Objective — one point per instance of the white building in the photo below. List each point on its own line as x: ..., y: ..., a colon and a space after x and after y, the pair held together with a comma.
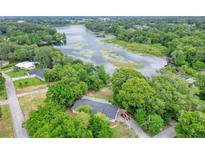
x: 25, y: 65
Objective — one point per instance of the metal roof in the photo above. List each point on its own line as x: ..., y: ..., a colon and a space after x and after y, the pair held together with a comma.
x: 98, y: 107
x: 38, y: 73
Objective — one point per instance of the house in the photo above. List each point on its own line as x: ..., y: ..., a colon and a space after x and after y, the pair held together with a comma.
x: 3, y: 63
x: 38, y: 73
x: 25, y: 65
x: 98, y: 106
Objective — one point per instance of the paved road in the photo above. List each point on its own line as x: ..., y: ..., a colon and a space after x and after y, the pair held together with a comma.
x: 16, y: 113
x: 166, y: 133
x: 169, y: 132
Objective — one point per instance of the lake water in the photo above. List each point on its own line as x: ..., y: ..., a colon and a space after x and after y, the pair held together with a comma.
x: 85, y: 45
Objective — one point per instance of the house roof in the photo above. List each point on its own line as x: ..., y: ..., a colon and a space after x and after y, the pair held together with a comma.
x: 38, y: 73
x: 26, y: 64
x: 98, y: 107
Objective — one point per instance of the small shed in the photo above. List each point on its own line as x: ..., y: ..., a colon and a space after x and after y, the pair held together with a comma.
x: 98, y: 106
x: 38, y: 73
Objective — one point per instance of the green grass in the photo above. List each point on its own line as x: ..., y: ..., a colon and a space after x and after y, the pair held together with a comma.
x: 3, y: 94
x: 122, y: 131
x: 24, y: 83
x: 156, y: 50
x: 31, y: 102
x: 17, y: 73
x: 5, y: 68
x: 6, y: 129
x: 104, y: 93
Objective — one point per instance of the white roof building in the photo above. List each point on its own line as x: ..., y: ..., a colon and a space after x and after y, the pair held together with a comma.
x: 26, y: 65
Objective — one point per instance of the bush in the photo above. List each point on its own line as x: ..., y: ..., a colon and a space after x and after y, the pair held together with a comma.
x: 85, y: 108
x: 152, y: 123
x: 140, y: 117
x: 191, y: 124
x: 155, y: 124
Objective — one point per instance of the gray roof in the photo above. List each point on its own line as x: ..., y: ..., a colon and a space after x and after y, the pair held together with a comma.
x: 106, y: 108
x: 38, y: 73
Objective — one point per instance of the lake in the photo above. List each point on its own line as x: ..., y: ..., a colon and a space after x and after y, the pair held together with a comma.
x: 85, y: 45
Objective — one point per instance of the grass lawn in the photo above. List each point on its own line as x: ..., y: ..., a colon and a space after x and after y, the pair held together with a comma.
x: 17, y: 73
x: 104, y: 93
x: 31, y: 102
x: 20, y: 85
x: 150, y: 49
x: 122, y: 131
x: 6, y: 129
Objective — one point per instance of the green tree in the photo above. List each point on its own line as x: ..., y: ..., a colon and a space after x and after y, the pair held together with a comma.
x: 172, y: 94
x: 66, y: 92
x: 200, y: 82
x: 134, y: 94
x: 179, y: 58
x: 191, y: 125
x: 100, y: 126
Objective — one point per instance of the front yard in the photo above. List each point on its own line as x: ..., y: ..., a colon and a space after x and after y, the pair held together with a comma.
x: 17, y: 73
x: 122, y: 131
x: 24, y: 85
x: 6, y: 129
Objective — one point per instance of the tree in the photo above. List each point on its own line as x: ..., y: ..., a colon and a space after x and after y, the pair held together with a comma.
x: 51, y: 122
x: 102, y: 74
x: 100, y: 126
x: 52, y: 75
x: 179, y: 58
x: 94, y: 82
x: 200, y: 82
x: 134, y: 94
x: 120, y: 77
x: 154, y: 124
x: 66, y: 92
x: 151, y: 122
x: 191, y: 125
x: 172, y: 94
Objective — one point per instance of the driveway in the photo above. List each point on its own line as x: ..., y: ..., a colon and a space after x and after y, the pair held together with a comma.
x: 132, y: 124
x: 16, y: 113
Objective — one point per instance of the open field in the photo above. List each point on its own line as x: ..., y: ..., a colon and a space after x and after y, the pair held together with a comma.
x: 6, y: 130
x: 17, y: 73
x: 156, y: 50
x: 31, y: 102
x: 26, y: 85
x: 122, y: 131
x: 104, y: 93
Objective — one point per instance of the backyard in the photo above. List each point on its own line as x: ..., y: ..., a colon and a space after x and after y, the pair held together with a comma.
x: 104, y: 93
